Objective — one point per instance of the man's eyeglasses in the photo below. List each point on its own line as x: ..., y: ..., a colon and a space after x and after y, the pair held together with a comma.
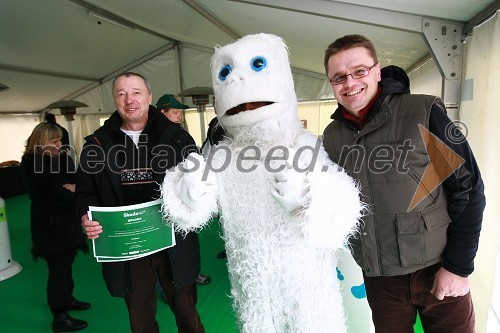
x: 355, y: 74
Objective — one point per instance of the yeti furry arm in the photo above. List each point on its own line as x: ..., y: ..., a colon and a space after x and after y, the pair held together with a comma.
x: 189, y: 196
x: 333, y: 206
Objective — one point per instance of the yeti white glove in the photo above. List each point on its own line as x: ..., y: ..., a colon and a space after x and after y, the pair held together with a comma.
x: 197, y: 189
x: 290, y: 186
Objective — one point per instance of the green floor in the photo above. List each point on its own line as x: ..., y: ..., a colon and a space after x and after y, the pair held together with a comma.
x: 23, y: 306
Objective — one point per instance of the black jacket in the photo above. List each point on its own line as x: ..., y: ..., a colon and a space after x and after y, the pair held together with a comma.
x: 98, y: 184
x: 55, y: 228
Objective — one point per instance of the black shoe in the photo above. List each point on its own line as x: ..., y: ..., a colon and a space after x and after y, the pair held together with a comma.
x: 63, y: 322
x: 75, y: 305
x: 221, y: 255
x: 203, y: 279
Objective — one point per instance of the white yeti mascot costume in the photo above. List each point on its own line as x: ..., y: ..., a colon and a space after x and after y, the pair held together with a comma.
x: 285, y: 207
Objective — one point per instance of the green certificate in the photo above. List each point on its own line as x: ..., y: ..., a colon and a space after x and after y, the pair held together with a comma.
x: 130, y: 232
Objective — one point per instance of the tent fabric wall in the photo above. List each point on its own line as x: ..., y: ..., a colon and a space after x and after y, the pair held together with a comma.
x: 426, y: 79
x: 14, y: 131
x: 478, y: 116
x: 163, y: 75
x: 82, y: 126
x: 192, y: 121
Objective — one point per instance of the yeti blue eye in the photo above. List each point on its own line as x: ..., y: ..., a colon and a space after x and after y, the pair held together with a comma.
x: 258, y: 63
x: 224, y: 72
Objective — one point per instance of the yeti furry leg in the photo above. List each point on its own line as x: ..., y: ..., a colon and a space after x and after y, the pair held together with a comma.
x: 311, y: 291
x: 251, y: 301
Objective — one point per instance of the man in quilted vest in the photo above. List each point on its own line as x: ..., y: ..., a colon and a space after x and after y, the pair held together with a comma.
x: 417, y: 172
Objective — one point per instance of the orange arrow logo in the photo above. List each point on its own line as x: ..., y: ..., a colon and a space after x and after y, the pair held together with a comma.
x: 443, y: 161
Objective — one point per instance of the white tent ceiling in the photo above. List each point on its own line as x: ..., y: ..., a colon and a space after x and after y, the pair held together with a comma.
x: 58, y: 49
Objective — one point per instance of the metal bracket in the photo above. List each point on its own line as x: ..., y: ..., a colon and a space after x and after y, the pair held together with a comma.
x: 445, y: 44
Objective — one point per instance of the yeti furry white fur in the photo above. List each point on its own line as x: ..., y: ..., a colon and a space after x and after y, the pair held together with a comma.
x: 282, y: 265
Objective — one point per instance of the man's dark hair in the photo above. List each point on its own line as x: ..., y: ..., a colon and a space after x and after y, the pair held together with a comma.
x: 348, y: 42
x: 50, y: 118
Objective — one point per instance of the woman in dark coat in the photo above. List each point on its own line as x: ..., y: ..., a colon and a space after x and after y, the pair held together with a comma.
x: 48, y: 175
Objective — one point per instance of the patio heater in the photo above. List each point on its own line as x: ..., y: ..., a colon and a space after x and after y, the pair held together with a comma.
x: 68, y: 110
x: 8, y: 266
x: 3, y: 87
x: 201, y: 97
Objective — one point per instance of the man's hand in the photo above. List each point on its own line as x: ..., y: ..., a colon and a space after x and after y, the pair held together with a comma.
x: 92, y: 228
x: 449, y: 284
x: 70, y: 187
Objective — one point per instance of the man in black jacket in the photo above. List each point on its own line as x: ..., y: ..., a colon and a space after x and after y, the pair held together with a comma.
x: 50, y: 118
x: 417, y: 246
x: 122, y: 163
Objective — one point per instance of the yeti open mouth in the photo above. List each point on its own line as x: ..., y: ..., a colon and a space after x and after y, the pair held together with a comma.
x: 246, y: 107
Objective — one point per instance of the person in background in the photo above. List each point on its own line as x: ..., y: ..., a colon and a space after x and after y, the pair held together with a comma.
x: 171, y: 108
x: 55, y: 230
x: 50, y: 118
x: 416, y: 256
x: 215, y: 134
x: 149, y: 145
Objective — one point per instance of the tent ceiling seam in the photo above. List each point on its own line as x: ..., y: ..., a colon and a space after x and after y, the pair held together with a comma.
x: 483, y: 16
x: 211, y: 17
x: 46, y: 73
x: 112, y: 75
x: 121, y: 20
x: 360, y: 14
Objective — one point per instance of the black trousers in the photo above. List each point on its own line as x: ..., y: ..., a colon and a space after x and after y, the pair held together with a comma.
x: 395, y: 301
x: 60, y: 282
x: 141, y: 301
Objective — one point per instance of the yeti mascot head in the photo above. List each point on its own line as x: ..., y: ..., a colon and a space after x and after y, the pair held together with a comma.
x: 254, y: 93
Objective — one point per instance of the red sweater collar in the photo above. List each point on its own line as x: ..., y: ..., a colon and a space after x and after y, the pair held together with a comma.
x: 363, y: 113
